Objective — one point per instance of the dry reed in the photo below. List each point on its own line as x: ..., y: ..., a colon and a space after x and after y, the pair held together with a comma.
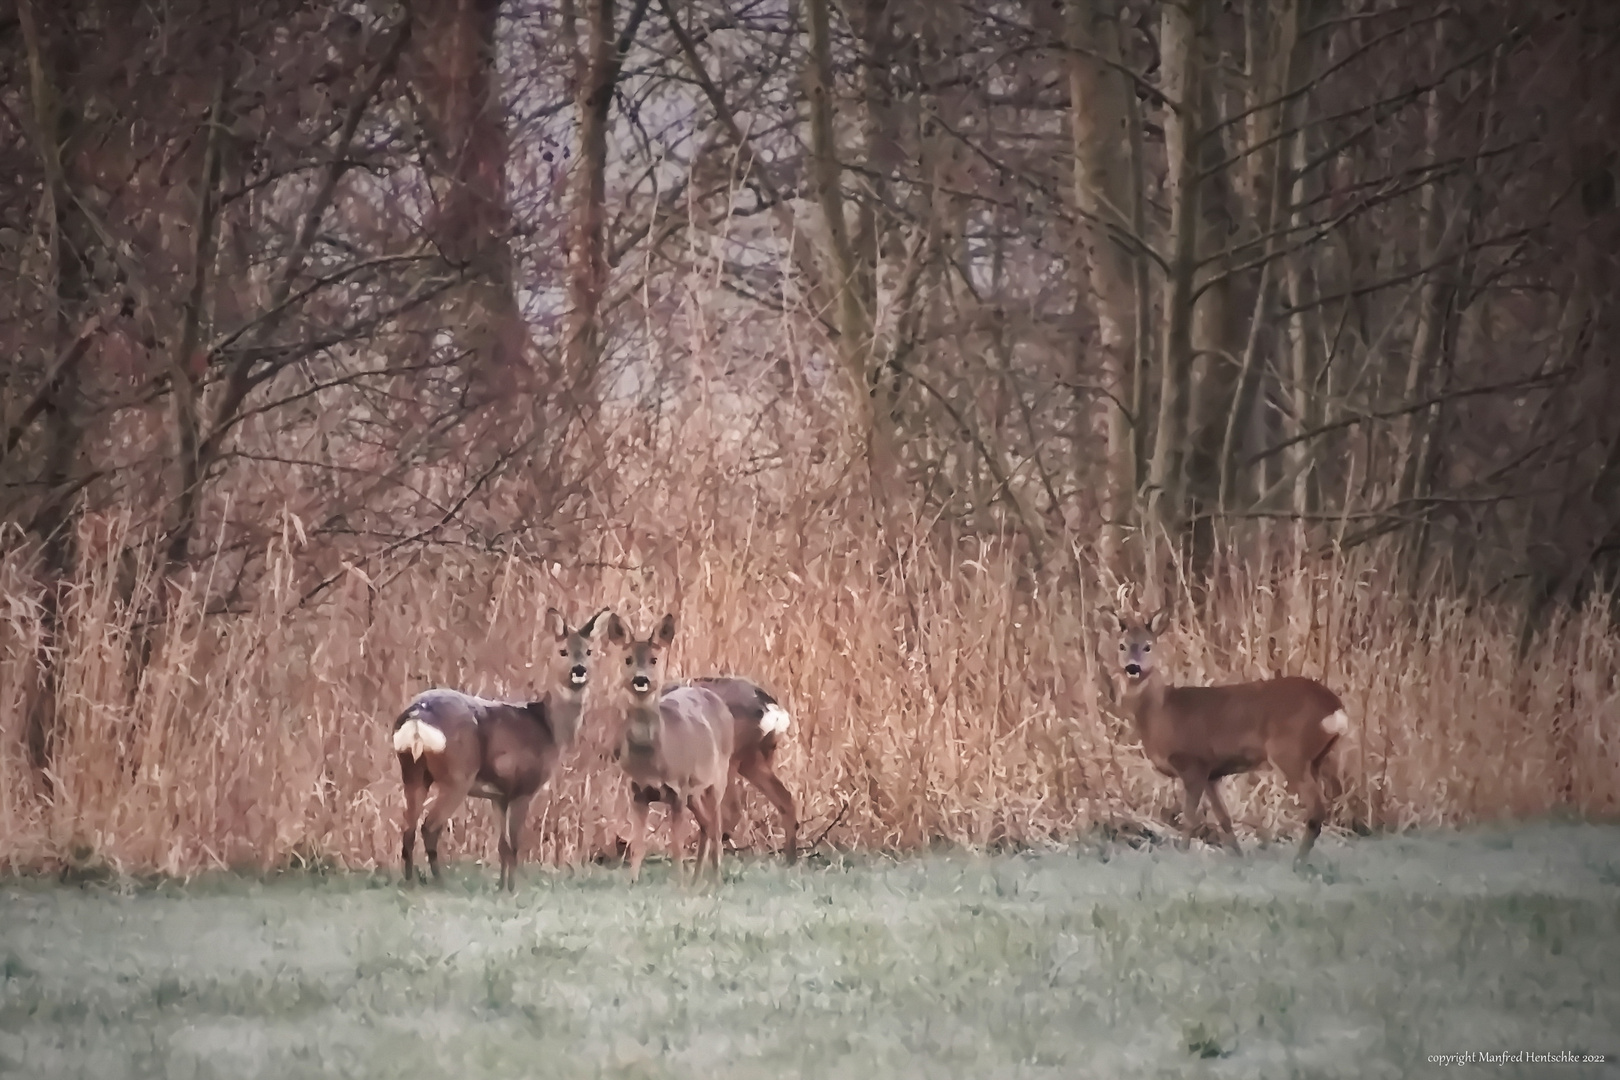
x: 935, y: 696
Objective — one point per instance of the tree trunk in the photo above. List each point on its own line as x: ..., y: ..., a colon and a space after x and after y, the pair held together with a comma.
x: 1104, y: 180
x: 455, y: 62
x: 596, y: 76
x: 188, y: 366
x: 852, y: 306
x: 1182, y: 85
x: 68, y: 241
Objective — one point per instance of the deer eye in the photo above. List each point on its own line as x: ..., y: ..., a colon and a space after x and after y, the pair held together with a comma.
x: 627, y: 661
x: 562, y: 652
x: 590, y: 652
x: 1147, y: 648
x: 1122, y: 646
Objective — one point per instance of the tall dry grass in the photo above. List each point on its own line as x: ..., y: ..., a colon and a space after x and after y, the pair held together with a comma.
x: 935, y: 696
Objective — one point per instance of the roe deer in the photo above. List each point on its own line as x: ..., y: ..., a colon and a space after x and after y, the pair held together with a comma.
x: 497, y: 750
x: 675, y: 748
x: 1199, y: 734
x: 758, y: 724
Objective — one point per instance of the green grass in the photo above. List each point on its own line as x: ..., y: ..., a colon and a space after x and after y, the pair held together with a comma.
x: 1083, y: 963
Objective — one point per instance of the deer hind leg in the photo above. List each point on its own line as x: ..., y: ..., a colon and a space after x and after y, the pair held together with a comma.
x: 416, y: 781
x: 513, y: 816
x: 1309, y: 789
x: 446, y: 798
x: 1304, y: 776
x: 760, y: 772
x: 1213, y: 794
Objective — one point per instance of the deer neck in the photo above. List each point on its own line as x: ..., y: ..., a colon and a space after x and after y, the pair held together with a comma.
x: 1144, y: 697
x: 641, y: 725
x: 564, y: 707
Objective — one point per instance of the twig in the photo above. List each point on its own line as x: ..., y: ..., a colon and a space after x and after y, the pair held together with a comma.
x: 831, y: 825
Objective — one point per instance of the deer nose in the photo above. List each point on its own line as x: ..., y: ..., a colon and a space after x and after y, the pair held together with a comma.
x: 641, y: 684
x: 578, y: 673
x: 1133, y: 669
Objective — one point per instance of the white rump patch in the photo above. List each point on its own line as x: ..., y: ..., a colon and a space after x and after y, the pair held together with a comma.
x: 775, y: 719
x: 416, y: 737
x: 1336, y: 723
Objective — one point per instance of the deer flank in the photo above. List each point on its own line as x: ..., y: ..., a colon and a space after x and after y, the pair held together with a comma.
x: 758, y: 724
x: 1199, y: 734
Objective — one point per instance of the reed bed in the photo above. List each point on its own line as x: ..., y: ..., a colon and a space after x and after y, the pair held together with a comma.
x: 939, y: 693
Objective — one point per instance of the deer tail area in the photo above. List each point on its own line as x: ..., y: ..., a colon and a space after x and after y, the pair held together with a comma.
x: 1336, y: 722
x: 417, y: 735
x: 776, y: 719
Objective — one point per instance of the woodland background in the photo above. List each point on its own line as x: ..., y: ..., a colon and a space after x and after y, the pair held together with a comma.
x: 882, y: 340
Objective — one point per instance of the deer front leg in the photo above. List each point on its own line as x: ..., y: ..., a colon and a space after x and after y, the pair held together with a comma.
x: 677, y: 832
x: 638, y: 831
x: 514, y: 816
x: 1194, y: 785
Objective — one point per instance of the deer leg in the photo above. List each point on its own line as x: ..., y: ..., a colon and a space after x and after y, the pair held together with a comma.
x: 761, y: 774
x: 716, y: 851
x: 1213, y: 794
x: 515, y: 815
x: 639, y: 804
x: 1310, y: 793
x: 731, y: 806
x: 707, y: 807
x: 503, y: 842
x: 416, y: 782
x: 677, y: 832
x: 708, y: 828
x: 1193, y: 784
x: 445, y: 801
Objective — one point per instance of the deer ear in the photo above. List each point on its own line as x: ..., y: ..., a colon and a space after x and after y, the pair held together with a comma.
x: 556, y: 623
x: 585, y: 631
x: 666, y: 631
x: 615, y: 630
x: 1158, y: 622
x: 1113, y: 618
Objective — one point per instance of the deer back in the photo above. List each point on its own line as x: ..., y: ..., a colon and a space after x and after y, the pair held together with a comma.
x: 1233, y: 727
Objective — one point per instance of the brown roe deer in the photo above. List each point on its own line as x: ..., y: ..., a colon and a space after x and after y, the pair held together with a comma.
x: 1198, y: 734
x: 758, y: 724
x: 675, y: 748
x: 502, y: 751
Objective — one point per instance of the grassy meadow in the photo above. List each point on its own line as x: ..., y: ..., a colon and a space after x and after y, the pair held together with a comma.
x: 1096, y: 960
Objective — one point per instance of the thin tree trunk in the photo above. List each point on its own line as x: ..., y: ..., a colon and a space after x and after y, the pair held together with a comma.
x: 1432, y: 239
x: 597, y: 68
x: 1103, y: 180
x: 454, y: 56
x: 68, y: 237
x: 1267, y: 169
x: 188, y: 369
x: 852, y: 315
x: 1182, y: 85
